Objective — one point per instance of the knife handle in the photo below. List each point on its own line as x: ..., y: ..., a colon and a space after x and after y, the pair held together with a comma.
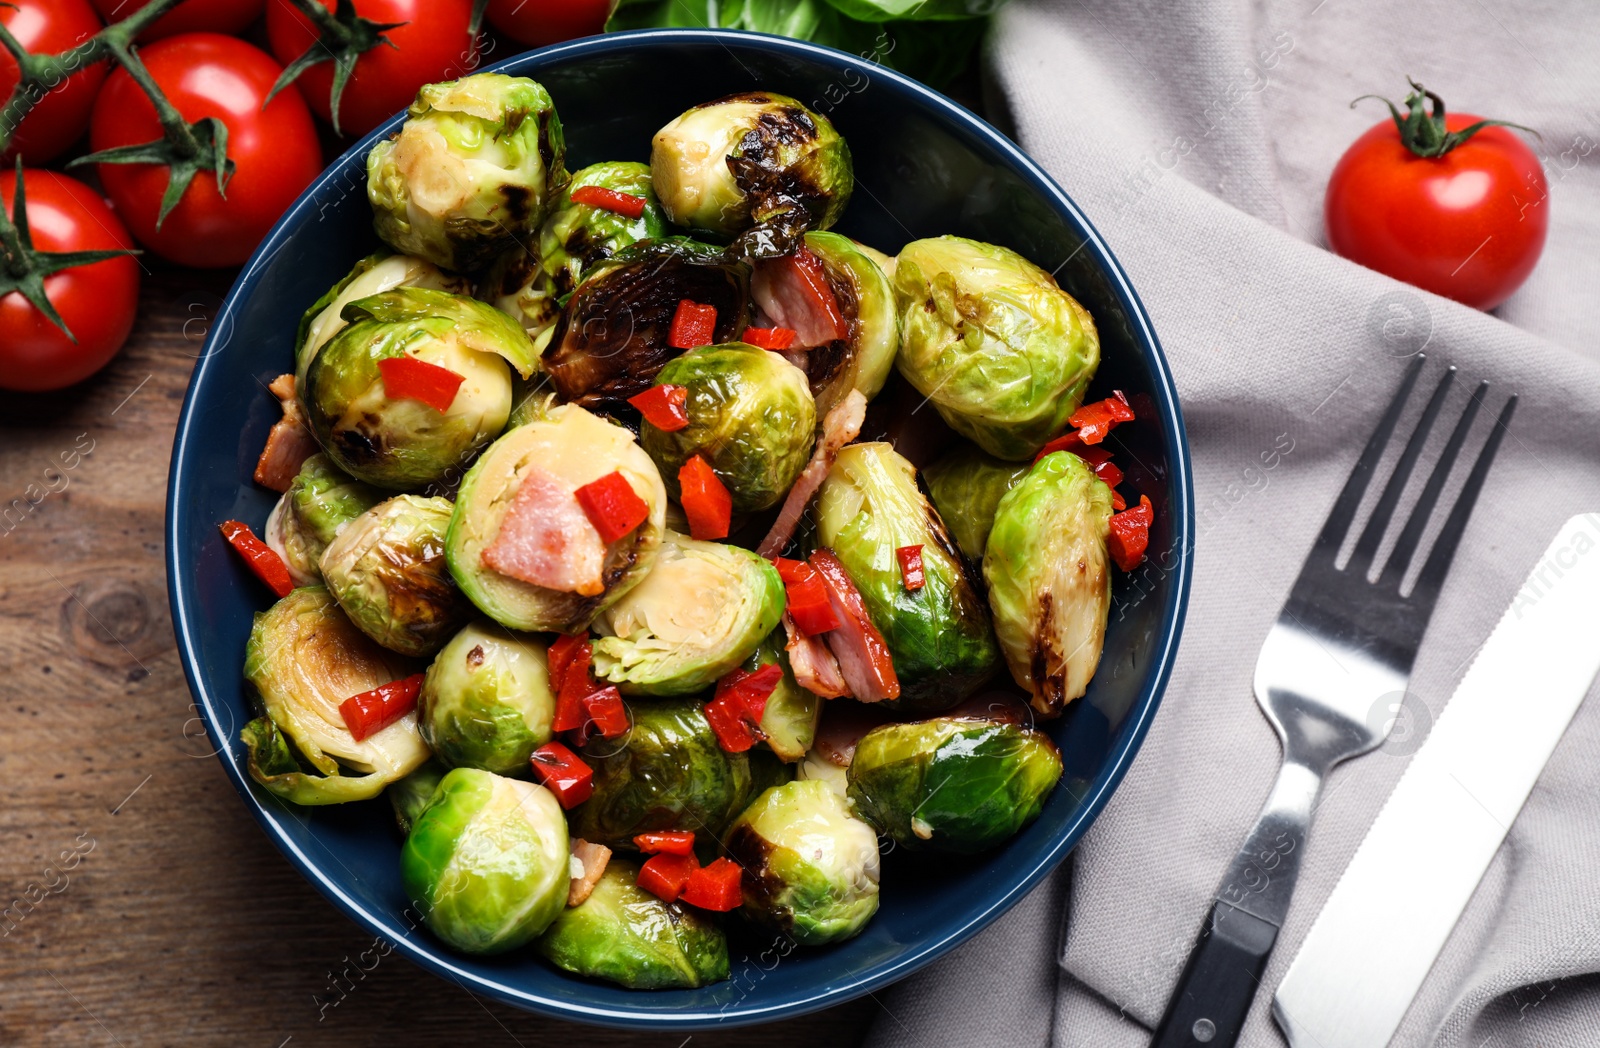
x: 1219, y: 981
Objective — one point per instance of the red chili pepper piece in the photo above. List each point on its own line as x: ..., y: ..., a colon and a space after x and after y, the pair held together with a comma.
x: 563, y: 773
x: 729, y: 721
x: 572, y: 687
x: 610, y: 200
x: 692, y: 325
x: 665, y: 875
x: 607, y: 711
x: 911, y: 572
x: 793, y: 570
x: 769, y: 338
x: 706, y: 502
x: 1130, y: 534
x: 809, y: 605
x: 751, y: 688
x: 261, y: 558
x: 372, y: 711
x: 407, y: 378
x: 1095, y: 420
x: 666, y: 842
x: 717, y: 887
x: 663, y: 406
x: 612, y: 506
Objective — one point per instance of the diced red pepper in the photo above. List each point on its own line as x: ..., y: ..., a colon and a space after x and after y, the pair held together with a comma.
x: 663, y: 406
x: 729, y: 720
x: 607, y: 712
x: 692, y: 325
x: 610, y: 200
x: 560, y: 656
x: 666, y: 842
x: 563, y: 773
x: 1095, y: 420
x: 751, y: 688
x: 665, y: 875
x: 718, y: 887
x: 372, y: 711
x: 1108, y: 472
x: 612, y: 506
x: 407, y: 378
x: 261, y: 558
x: 792, y: 570
x: 706, y: 502
x: 1118, y: 503
x: 769, y: 338
x: 1068, y: 441
x: 1130, y: 534
x: 572, y: 686
x: 809, y: 605
x: 911, y: 572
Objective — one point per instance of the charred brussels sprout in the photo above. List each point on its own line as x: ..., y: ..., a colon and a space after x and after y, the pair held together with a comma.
x: 474, y: 168
x: 699, y: 613
x: 487, y: 861
x: 611, y: 339
x: 953, y: 784
x: 321, y: 500
x: 939, y: 635
x: 576, y: 236
x: 751, y: 417
x: 486, y: 702
x: 811, y: 868
x: 413, y: 793
x: 520, y: 288
x: 304, y: 658
x: 790, y: 719
x: 1050, y: 580
x: 966, y: 486
x: 401, y: 443
x: 522, y: 487
x: 623, y: 934
x: 1003, y: 353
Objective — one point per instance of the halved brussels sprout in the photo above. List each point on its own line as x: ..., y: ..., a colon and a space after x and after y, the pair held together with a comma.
x: 563, y: 451
x: 612, y: 336
x: 966, y: 486
x: 816, y: 767
x: 487, y: 861
x: 576, y: 236
x: 954, y: 784
x: 751, y: 417
x: 414, y: 793
x: 404, y: 443
x: 702, y: 610
x: 940, y: 637
x: 387, y: 570
x: 790, y: 719
x: 1050, y: 580
x: 520, y: 288
x: 993, y: 342
x: 486, y: 702
x: 886, y: 262
x: 304, y: 658
x: 321, y: 501
x: 810, y: 867
x: 624, y: 934
x: 473, y: 169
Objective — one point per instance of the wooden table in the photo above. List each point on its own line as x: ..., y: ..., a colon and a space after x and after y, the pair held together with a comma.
x: 144, y: 907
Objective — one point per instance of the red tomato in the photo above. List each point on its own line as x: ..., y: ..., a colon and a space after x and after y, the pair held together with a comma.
x: 59, y: 118
x: 541, y: 22
x: 432, y: 45
x: 275, y: 149
x: 98, y: 301
x: 1468, y: 225
x: 191, y: 16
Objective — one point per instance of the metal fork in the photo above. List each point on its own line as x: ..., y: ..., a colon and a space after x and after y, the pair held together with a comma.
x: 1334, y: 665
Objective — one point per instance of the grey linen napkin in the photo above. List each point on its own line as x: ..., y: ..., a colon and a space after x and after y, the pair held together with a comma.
x: 1198, y: 139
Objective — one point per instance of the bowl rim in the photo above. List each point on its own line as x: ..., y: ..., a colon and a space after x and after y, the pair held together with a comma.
x: 188, y: 624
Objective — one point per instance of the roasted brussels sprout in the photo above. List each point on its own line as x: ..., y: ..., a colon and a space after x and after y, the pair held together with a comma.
x: 1002, y: 352
x: 387, y: 570
x: 1050, y: 580
x: 413, y: 793
x: 751, y: 417
x: 527, y: 479
x: 966, y: 486
x: 486, y: 702
x: 954, y: 784
x: 702, y: 610
x: 520, y: 288
x: 321, y: 500
x: 758, y: 164
x: 474, y: 168
x: 404, y: 443
x: 612, y: 336
x: 885, y: 262
x: 790, y: 719
x: 811, y: 868
x: 487, y: 861
x: 576, y: 236
x: 624, y: 934
x: 943, y: 646
x: 304, y: 658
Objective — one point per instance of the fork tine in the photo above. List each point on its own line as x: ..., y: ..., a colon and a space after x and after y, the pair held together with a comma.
x: 1400, y: 558
x: 1431, y: 580
x: 1344, y: 509
x: 1383, y: 512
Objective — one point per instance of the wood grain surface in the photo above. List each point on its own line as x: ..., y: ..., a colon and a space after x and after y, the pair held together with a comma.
x: 142, y: 904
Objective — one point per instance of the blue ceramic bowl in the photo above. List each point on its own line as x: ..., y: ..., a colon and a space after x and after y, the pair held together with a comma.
x: 924, y: 166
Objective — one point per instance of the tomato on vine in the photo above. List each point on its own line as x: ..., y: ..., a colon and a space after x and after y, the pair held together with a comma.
x: 61, y: 115
x: 191, y: 16
x: 541, y: 22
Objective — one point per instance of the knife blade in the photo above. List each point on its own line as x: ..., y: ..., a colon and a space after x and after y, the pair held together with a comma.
x: 1379, y: 933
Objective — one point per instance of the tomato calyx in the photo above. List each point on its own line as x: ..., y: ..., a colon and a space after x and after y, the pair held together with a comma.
x: 345, y: 37
x: 1423, y: 132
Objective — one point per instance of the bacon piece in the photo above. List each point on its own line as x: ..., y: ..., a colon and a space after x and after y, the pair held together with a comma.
x: 289, y: 442
x: 863, y: 656
x: 546, y: 539
x: 793, y: 291
x: 842, y: 725
x: 815, y: 668
x: 840, y: 426
x: 594, y: 858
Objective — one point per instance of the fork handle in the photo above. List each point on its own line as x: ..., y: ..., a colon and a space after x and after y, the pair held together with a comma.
x: 1219, y: 982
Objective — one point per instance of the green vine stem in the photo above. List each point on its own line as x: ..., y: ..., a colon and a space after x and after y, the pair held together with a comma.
x: 1424, y: 132
x: 344, y: 37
